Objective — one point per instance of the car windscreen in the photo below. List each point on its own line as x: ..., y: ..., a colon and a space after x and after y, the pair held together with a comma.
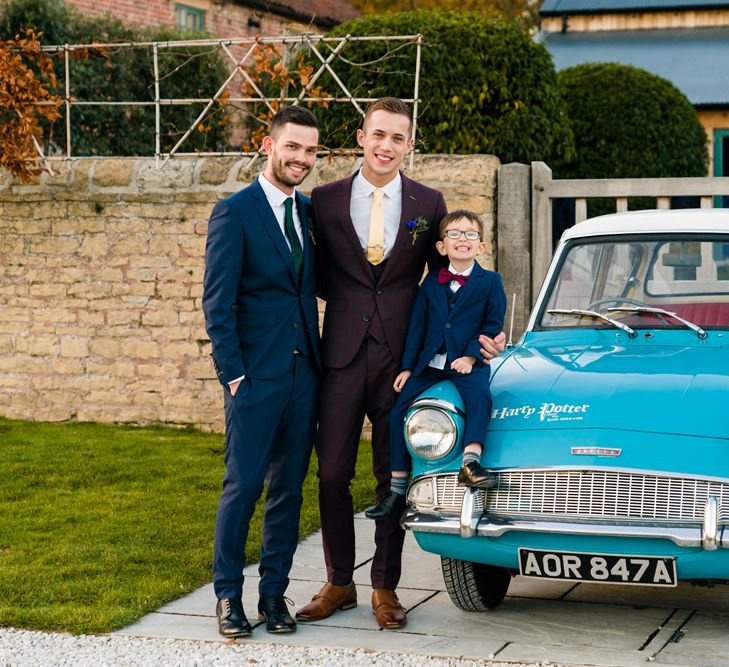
x: 618, y: 277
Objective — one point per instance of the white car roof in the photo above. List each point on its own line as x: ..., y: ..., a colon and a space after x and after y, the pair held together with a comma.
x: 645, y: 222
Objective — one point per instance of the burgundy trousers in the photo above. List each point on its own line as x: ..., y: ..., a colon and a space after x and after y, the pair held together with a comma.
x: 364, y: 387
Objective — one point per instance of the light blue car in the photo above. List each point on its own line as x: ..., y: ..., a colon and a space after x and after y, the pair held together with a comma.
x: 610, y: 424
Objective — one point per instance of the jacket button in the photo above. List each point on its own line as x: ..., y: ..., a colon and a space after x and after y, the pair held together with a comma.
x: 366, y: 318
x: 379, y: 291
x: 295, y: 325
x: 448, y: 325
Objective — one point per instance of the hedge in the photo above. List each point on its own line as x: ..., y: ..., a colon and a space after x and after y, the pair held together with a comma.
x: 485, y: 85
x: 629, y: 123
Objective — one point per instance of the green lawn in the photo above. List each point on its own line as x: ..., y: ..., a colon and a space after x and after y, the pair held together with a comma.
x: 101, y: 524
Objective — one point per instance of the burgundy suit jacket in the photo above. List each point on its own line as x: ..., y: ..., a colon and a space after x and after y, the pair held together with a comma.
x: 345, y: 278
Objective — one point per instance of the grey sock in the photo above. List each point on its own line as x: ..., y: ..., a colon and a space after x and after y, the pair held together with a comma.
x: 471, y: 457
x: 399, y: 485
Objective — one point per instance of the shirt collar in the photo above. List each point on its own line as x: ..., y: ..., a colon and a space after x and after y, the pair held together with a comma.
x: 467, y: 272
x: 273, y: 194
x: 363, y: 188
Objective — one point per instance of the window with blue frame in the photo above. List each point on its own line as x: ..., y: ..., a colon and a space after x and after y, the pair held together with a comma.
x: 190, y: 18
x: 721, y: 162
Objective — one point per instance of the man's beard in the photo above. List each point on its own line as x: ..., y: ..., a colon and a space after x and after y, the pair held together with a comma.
x: 279, y: 171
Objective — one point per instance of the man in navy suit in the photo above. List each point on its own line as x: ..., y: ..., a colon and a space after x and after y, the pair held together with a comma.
x: 261, y: 316
x: 453, y: 308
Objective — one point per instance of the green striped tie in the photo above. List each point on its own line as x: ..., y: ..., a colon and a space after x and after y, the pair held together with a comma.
x: 291, y: 234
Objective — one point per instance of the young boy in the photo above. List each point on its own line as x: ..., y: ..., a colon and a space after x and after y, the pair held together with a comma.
x: 453, y: 307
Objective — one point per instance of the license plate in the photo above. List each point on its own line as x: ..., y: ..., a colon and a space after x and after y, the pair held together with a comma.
x: 601, y: 568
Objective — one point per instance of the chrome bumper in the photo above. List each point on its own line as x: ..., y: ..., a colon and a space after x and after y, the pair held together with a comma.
x: 709, y: 536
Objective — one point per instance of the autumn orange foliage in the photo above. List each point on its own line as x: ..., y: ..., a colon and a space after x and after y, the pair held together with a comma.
x: 26, y: 79
x: 271, y: 73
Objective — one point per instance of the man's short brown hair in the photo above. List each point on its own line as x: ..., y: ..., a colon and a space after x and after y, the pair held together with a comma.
x: 448, y: 218
x: 391, y: 104
x: 296, y: 115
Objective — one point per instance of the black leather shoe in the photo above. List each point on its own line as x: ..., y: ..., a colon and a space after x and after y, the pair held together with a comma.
x: 393, y: 504
x: 232, y: 621
x: 273, y: 610
x: 472, y: 474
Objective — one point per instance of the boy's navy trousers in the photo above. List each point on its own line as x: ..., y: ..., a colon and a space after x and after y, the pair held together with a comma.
x: 475, y: 392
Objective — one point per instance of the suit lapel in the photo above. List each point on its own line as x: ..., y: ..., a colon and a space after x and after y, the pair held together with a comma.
x: 344, y: 200
x: 471, y: 287
x: 407, y: 212
x: 305, y: 233
x: 439, y: 297
x: 270, y: 224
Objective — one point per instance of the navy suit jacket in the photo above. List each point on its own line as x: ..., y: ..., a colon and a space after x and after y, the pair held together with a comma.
x: 479, y: 309
x: 257, y: 310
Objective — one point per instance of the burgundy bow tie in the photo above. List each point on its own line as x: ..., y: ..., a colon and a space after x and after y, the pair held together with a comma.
x: 445, y: 276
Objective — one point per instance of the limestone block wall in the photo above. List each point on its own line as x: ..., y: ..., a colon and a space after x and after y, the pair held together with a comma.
x: 101, y: 268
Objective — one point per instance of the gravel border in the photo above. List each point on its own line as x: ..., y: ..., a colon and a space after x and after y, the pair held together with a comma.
x: 26, y: 648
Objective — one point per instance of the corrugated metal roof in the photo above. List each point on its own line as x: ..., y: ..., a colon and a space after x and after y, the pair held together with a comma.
x: 694, y: 60
x: 550, y: 7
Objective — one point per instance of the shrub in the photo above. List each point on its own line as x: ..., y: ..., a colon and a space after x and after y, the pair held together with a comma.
x: 26, y: 74
x: 121, y: 75
x: 485, y: 86
x: 629, y: 123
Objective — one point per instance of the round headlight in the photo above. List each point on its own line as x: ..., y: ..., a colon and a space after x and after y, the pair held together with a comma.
x: 430, y: 432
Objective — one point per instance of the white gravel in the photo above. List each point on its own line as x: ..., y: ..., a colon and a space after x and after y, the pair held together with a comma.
x: 24, y: 648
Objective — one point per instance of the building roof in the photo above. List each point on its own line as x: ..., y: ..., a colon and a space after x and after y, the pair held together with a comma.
x: 559, y: 7
x: 696, y: 220
x: 689, y: 58
x: 324, y: 13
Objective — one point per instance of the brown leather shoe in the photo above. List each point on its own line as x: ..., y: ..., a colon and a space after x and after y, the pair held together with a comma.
x: 472, y: 474
x: 388, y: 611
x: 327, y: 601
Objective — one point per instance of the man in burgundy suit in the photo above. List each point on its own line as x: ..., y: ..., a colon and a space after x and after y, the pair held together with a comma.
x: 375, y: 232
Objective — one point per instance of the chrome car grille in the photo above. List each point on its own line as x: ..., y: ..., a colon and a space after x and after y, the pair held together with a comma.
x: 590, y: 494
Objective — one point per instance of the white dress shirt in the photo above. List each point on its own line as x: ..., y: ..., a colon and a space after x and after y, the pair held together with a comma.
x: 276, y: 199
x: 439, y: 360
x: 360, y: 207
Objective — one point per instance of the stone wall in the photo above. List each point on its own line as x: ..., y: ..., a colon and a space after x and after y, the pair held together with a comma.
x: 101, y: 270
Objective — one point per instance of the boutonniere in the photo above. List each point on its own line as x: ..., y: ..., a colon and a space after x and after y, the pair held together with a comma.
x: 310, y: 228
x: 417, y: 226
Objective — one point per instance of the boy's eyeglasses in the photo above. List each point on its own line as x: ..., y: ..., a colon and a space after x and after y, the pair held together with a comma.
x: 455, y: 234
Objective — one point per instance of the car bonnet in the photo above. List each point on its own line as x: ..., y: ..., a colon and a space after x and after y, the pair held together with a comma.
x: 609, y: 381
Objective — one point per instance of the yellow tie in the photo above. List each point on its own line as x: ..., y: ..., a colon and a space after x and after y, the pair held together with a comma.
x: 376, y: 245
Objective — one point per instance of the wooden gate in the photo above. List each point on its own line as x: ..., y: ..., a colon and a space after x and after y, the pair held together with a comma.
x: 524, y: 218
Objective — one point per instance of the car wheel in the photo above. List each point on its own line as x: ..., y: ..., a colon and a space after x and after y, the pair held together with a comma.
x: 474, y: 586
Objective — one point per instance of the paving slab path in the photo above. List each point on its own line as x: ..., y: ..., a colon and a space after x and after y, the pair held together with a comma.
x: 556, y: 622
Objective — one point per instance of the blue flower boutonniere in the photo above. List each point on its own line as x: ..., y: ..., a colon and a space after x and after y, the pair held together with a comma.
x: 417, y: 226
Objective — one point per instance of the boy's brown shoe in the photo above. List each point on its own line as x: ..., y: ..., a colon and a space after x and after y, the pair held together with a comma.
x: 472, y: 474
x: 388, y: 611
x: 327, y: 601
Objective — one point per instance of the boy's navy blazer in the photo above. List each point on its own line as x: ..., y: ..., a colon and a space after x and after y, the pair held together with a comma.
x: 257, y: 310
x: 479, y: 309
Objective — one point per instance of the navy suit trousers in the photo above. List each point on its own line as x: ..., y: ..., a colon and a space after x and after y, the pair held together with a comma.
x: 475, y: 392
x: 269, y: 430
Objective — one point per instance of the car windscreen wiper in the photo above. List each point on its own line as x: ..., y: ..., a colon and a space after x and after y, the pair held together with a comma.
x: 593, y: 313
x: 660, y: 311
